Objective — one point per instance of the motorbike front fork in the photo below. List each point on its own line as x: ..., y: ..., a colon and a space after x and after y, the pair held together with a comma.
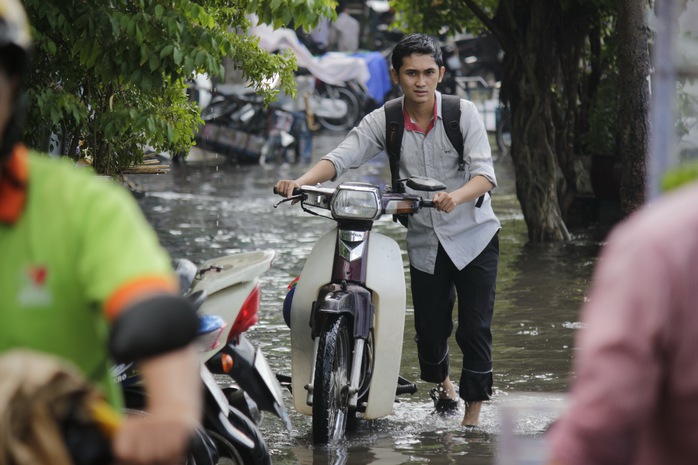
x: 354, y: 378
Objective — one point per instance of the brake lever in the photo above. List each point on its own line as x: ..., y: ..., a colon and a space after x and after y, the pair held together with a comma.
x: 290, y: 199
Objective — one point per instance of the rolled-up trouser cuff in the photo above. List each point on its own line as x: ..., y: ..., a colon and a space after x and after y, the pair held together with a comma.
x: 475, y: 386
x: 434, y: 372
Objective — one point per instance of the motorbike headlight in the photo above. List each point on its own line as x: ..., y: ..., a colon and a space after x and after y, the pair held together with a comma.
x: 356, y: 202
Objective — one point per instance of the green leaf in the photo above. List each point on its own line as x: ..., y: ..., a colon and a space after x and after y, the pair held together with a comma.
x: 166, y: 50
x: 177, y: 55
x: 154, y: 62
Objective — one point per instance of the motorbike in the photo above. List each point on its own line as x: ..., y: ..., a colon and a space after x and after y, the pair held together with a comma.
x: 239, y: 124
x: 225, y: 291
x: 348, y: 306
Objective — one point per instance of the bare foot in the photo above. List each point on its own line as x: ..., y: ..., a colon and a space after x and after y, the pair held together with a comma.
x: 446, y: 389
x: 472, y: 414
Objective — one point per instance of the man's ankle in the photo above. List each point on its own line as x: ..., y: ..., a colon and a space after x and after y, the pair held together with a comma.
x: 446, y: 390
x: 472, y: 414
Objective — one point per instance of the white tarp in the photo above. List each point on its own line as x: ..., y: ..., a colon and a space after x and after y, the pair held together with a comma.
x: 332, y: 68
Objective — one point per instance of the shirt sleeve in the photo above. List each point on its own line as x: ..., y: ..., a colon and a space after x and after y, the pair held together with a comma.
x: 476, y: 148
x: 122, y: 259
x: 362, y: 143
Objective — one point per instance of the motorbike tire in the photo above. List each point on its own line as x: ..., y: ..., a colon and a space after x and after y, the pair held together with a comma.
x: 331, y: 386
x: 230, y: 454
x: 353, y: 109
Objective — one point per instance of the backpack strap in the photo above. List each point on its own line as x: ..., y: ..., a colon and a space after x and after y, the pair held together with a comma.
x: 450, y: 111
x: 394, y: 128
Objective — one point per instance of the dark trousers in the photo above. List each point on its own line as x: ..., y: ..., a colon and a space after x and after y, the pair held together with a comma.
x: 434, y: 296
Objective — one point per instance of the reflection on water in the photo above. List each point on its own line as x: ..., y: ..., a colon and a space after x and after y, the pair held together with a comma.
x: 202, y: 211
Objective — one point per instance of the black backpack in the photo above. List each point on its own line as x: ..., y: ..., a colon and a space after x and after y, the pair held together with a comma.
x: 395, y: 127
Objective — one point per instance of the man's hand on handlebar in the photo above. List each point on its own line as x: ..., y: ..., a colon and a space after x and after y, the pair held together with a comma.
x: 285, y: 187
x: 444, y: 202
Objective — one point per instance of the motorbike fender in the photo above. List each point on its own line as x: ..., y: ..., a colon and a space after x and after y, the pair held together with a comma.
x: 254, y: 376
x: 227, y: 282
x: 216, y: 408
x: 386, y: 279
x: 355, y: 300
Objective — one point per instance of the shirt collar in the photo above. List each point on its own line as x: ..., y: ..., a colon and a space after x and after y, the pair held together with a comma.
x: 410, y: 126
x: 14, y: 177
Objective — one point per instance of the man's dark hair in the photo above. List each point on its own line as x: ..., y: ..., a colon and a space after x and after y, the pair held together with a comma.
x: 417, y: 44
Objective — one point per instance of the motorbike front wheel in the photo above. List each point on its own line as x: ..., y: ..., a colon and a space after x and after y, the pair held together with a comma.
x: 331, y: 387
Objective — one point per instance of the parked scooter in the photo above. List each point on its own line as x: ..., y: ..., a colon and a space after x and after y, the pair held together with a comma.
x: 227, y: 435
x: 348, y: 308
x: 226, y: 292
x: 232, y: 286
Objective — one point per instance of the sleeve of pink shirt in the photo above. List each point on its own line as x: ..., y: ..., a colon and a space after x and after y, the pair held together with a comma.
x: 618, y: 363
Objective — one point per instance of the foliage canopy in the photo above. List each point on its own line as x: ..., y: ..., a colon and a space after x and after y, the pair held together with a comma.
x: 110, y: 78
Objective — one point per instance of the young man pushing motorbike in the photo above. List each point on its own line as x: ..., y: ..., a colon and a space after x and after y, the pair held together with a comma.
x: 453, y: 248
x: 83, y: 278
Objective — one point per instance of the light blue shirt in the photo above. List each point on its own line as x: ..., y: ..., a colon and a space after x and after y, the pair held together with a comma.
x: 467, y: 230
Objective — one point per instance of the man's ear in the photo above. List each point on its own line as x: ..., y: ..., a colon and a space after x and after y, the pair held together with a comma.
x: 394, y: 75
x: 442, y: 71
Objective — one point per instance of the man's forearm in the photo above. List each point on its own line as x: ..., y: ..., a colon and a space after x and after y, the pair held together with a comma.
x: 473, y: 189
x: 322, y: 171
x: 173, y: 384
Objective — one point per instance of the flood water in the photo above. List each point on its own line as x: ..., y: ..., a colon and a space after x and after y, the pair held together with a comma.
x: 205, y: 209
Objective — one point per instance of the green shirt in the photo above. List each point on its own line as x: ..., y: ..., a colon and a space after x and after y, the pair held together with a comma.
x: 78, y: 241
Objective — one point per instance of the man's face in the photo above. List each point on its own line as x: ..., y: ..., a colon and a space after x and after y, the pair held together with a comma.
x: 418, y: 77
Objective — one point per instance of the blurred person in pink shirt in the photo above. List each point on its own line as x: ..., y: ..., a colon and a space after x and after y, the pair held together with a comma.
x: 634, y: 398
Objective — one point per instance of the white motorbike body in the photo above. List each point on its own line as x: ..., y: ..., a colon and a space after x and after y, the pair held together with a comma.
x: 386, y: 280
x: 228, y: 281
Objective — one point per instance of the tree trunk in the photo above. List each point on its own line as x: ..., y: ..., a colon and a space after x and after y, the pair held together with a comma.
x: 633, y: 104
x: 541, y: 48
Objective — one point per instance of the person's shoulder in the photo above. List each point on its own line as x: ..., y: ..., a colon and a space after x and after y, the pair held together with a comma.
x: 45, y: 168
x: 61, y: 174
x: 63, y: 165
x: 467, y: 105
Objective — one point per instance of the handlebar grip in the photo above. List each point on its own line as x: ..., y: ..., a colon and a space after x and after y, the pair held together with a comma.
x: 296, y: 191
x: 427, y: 204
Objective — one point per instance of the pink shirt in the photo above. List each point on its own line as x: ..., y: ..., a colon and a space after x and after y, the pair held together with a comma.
x: 635, y: 396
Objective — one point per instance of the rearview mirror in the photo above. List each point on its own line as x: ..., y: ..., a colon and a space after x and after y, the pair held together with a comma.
x: 422, y: 183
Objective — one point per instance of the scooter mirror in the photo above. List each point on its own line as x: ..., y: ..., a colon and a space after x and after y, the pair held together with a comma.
x: 422, y: 183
